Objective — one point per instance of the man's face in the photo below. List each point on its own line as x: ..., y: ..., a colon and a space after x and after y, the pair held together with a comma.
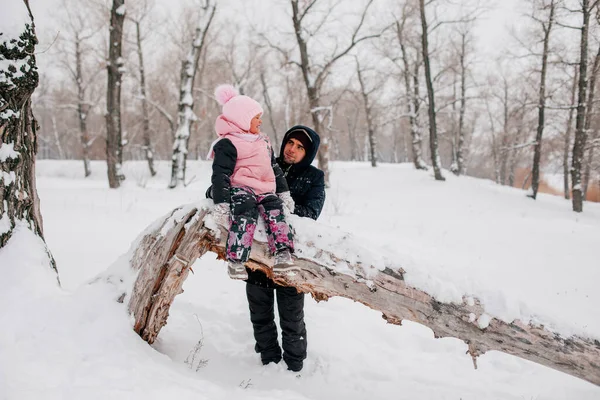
x: 293, y: 152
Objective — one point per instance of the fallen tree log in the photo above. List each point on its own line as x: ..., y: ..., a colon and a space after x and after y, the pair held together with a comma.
x: 165, y: 254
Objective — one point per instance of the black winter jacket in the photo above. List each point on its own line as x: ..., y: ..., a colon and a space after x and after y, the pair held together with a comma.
x: 307, y: 188
x: 306, y: 183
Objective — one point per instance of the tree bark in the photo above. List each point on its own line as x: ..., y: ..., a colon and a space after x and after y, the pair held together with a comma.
x: 148, y: 150
x: 505, y: 151
x: 580, y: 132
x: 19, y: 201
x: 433, y: 140
x: 460, y: 151
x: 114, y: 141
x: 369, y: 117
x: 588, y: 121
x: 537, y: 148
x: 82, y: 108
x: 567, y: 147
x: 164, y: 256
x: 412, y: 98
x: 186, y: 97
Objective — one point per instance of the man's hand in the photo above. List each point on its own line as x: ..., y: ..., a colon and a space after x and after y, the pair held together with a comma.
x: 288, y: 202
x: 221, y: 213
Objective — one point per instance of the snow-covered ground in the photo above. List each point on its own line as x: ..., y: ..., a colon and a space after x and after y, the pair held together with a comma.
x: 533, y: 260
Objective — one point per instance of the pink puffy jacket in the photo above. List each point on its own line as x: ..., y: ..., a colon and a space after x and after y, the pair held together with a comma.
x: 253, y: 166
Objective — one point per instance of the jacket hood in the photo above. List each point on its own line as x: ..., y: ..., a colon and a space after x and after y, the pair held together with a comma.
x: 223, y: 126
x: 310, y: 153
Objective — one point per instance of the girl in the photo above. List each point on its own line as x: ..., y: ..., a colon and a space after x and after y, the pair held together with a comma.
x: 246, y: 181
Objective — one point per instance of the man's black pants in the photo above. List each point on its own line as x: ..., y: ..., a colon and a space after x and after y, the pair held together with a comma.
x: 290, y: 304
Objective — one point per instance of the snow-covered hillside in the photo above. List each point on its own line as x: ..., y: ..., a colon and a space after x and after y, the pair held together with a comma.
x: 533, y: 260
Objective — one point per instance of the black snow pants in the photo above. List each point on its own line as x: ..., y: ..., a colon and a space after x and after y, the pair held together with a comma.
x: 290, y: 304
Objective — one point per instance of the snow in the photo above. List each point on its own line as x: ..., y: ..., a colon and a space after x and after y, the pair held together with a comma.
x: 7, y: 150
x: 121, y: 10
x: 463, y: 238
x: 13, y: 18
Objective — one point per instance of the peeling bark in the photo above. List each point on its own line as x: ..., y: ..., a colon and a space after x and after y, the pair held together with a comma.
x: 165, y: 255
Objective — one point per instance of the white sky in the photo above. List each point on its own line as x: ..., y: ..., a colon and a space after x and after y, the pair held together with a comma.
x: 492, y: 31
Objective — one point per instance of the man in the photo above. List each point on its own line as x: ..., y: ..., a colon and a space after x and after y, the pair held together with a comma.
x: 307, y: 188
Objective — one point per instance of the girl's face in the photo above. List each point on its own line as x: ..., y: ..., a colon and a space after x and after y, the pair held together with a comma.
x: 255, y: 124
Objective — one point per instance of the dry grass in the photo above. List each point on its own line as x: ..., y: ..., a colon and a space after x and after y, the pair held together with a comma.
x: 593, y: 193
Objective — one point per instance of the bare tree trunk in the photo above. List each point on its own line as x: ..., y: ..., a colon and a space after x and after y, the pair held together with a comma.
x: 537, y: 148
x: 164, y: 256
x: 352, y: 135
x: 460, y: 151
x: 494, y: 145
x: 61, y: 152
x: 412, y: 98
x: 369, y: 117
x: 82, y: 109
x: 512, y: 159
x: 270, y: 110
x: 114, y: 142
x: 505, y: 152
x: 315, y: 75
x: 148, y: 150
x: 580, y: 133
x: 588, y: 121
x: 186, y: 97
x: 19, y: 201
x: 433, y: 140
x: 567, y: 147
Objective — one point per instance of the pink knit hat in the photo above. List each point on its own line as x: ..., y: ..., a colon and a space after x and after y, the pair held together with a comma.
x: 237, y: 109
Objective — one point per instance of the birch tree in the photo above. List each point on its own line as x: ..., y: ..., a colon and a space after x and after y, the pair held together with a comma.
x: 114, y: 143
x: 19, y: 201
x: 185, y: 115
x: 410, y: 75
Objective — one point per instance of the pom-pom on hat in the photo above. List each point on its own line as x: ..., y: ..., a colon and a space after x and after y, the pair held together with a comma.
x: 237, y: 108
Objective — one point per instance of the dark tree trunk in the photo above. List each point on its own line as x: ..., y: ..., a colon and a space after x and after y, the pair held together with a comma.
x: 537, y: 148
x: 146, y: 119
x: 580, y: 133
x: 567, y: 147
x: 588, y: 121
x: 433, y: 140
x: 114, y: 142
x: 19, y: 201
x: 82, y: 108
